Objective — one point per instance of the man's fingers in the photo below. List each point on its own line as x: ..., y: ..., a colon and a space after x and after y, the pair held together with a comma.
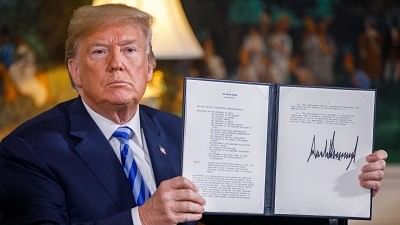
x: 180, y: 183
x: 176, y: 200
x: 377, y: 155
x: 188, y: 195
x: 373, y: 166
x: 373, y: 176
x: 188, y: 207
x: 371, y: 184
x: 185, y: 217
x: 166, y: 210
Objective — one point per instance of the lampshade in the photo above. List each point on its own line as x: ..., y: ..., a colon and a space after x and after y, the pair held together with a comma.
x: 173, y: 37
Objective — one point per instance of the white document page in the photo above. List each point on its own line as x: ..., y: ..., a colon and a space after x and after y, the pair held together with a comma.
x: 324, y: 136
x: 225, y: 139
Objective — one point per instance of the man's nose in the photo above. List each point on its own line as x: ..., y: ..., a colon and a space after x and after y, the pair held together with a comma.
x: 115, y: 61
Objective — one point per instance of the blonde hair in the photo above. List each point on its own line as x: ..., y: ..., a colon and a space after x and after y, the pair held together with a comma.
x: 88, y: 19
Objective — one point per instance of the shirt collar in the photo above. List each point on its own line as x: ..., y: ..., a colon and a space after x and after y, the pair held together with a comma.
x: 107, y: 127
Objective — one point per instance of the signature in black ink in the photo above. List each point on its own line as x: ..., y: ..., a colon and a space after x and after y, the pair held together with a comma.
x: 331, y: 153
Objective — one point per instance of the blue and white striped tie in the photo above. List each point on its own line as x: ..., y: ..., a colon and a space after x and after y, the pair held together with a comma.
x: 140, y: 190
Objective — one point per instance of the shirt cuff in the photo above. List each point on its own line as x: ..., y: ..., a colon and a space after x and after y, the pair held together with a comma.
x: 135, y: 216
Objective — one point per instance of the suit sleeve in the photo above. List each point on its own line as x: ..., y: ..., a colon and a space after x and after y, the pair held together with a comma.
x: 30, y: 193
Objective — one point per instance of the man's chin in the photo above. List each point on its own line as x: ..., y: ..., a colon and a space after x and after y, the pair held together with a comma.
x: 122, y: 102
x: 122, y: 96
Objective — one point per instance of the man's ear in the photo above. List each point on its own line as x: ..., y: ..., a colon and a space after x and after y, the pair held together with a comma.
x: 149, y: 72
x: 74, y: 72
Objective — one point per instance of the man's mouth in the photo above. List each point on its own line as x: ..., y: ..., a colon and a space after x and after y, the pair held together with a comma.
x: 119, y: 83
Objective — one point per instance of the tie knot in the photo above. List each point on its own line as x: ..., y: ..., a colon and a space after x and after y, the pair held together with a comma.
x: 123, y: 133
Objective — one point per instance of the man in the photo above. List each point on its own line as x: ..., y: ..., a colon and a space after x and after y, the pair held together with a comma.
x: 70, y: 165
x: 60, y: 167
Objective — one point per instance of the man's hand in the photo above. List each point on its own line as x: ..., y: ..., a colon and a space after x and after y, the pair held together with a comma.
x: 175, y: 201
x: 372, y: 173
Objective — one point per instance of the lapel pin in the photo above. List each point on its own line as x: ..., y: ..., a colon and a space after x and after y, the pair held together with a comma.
x: 162, y: 150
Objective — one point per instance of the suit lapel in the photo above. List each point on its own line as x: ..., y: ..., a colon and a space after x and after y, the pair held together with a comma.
x: 97, y: 153
x: 162, y: 162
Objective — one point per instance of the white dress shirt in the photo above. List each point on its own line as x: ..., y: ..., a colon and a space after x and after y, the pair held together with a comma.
x: 137, y: 143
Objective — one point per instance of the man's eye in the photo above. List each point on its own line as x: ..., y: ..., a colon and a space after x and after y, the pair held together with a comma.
x: 98, y: 51
x: 129, y: 50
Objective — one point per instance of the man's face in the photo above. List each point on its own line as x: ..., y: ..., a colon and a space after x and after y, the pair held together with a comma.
x: 111, y: 66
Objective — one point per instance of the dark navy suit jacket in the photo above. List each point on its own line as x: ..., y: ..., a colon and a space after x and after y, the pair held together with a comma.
x: 58, y: 168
